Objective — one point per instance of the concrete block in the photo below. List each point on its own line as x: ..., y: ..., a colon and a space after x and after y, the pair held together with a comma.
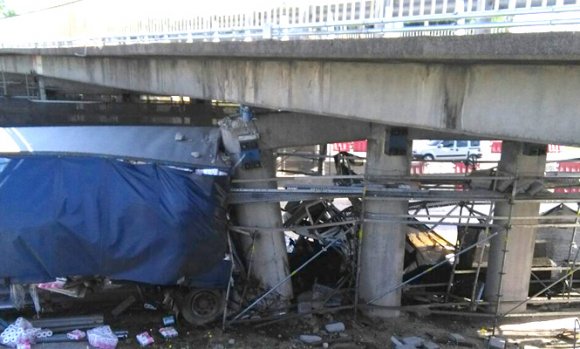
x: 335, y: 327
x: 310, y: 339
x: 497, y: 342
x: 430, y: 345
x: 405, y: 346
x: 396, y: 341
x: 413, y: 340
x: 456, y: 338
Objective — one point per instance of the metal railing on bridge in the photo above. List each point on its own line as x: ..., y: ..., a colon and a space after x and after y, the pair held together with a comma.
x: 108, y: 22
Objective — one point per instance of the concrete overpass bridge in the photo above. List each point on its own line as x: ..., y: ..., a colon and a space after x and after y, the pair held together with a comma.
x: 509, y: 86
x: 428, y: 81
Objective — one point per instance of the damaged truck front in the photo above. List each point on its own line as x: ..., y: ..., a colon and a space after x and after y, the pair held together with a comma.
x: 143, y: 205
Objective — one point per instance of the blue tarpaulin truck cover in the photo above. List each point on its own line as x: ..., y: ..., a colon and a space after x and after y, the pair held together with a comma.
x: 94, y: 216
x: 139, y: 221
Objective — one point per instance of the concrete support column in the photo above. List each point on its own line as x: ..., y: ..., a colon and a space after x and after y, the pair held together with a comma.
x: 512, y: 287
x: 41, y: 88
x: 383, y: 244
x: 269, y: 259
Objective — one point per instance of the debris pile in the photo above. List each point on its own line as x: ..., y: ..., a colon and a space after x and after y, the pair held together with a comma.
x: 23, y: 333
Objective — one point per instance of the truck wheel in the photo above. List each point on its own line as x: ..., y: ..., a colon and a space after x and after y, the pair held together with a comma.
x: 201, y: 307
x: 428, y: 157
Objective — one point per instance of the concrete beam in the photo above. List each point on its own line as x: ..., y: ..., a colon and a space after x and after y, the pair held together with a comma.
x: 534, y: 102
x: 280, y: 130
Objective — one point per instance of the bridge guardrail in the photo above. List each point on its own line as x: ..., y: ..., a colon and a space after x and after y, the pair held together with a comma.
x: 108, y: 22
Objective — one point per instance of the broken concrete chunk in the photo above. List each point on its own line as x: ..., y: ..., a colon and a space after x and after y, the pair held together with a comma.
x: 497, y: 342
x: 413, y: 340
x: 430, y: 345
x: 335, y: 327
x: 405, y: 346
x: 456, y: 338
x: 310, y: 339
x: 396, y: 341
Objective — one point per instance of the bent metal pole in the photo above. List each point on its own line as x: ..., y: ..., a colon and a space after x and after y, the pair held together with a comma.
x: 324, y: 249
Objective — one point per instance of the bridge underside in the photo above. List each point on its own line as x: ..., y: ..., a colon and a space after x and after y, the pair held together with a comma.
x: 327, y: 99
x: 532, y: 102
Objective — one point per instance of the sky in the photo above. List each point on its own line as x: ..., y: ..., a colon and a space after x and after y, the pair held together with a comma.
x: 23, y: 6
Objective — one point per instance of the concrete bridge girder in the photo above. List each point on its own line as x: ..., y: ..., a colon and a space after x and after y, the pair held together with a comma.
x: 528, y: 102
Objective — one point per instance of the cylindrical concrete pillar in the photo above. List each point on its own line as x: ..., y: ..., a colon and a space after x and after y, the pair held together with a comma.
x: 383, y: 243
x: 508, y: 279
x: 268, y: 257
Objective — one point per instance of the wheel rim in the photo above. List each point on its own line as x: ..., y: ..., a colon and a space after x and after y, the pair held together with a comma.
x: 204, y: 304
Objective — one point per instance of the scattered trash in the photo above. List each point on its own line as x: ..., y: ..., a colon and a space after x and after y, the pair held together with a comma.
x: 149, y: 306
x: 63, y: 286
x: 122, y: 334
x: 76, y: 335
x: 44, y: 334
x: 169, y: 320
x: 145, y: 339
x: 168, y: 332
x: 335, y: 327
x: 310, y: 339
x: 102, y: 337
x: 21, y: 332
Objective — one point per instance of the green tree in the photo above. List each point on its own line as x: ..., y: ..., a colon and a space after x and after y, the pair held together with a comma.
x: 5, y: 12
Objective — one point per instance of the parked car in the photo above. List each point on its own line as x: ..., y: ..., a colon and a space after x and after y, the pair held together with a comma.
x: 454, y: 150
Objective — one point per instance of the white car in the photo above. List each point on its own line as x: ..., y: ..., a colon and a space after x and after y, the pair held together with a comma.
x: 453, y: 150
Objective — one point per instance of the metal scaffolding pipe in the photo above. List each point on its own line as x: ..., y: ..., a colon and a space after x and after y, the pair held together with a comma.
x: 432, y: 268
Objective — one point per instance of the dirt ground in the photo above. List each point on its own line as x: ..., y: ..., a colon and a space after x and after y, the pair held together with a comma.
x: 359, y: 333
x: 362, y: 333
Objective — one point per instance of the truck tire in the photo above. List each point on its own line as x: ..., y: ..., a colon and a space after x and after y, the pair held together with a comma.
x: 202, y: 306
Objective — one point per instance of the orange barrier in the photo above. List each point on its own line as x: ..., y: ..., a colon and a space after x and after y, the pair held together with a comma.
x: 567, y: 167
x: 552, y: 148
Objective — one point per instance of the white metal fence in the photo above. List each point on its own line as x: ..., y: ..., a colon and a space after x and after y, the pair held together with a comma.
x: 108, y: 22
